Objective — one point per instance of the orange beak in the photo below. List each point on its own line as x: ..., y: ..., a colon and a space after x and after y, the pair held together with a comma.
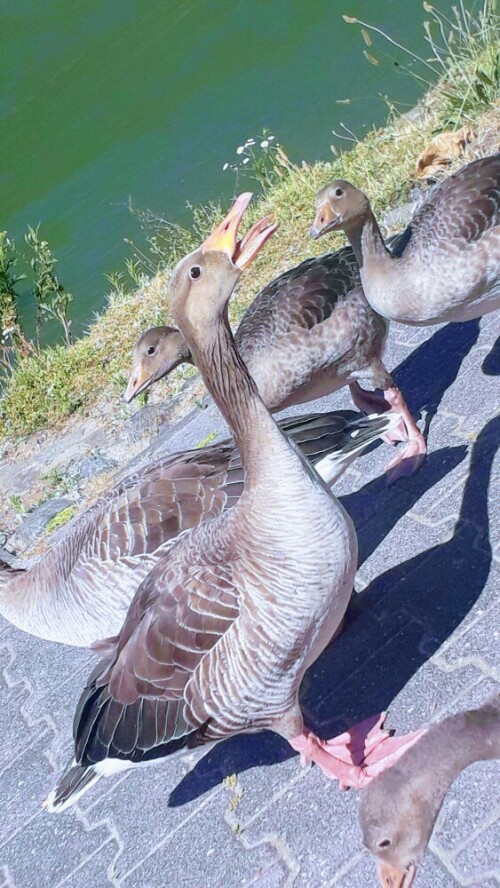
x: 394, y: 876
x: 138, y: 381
x: 224, y: 238
x: 324, y: 220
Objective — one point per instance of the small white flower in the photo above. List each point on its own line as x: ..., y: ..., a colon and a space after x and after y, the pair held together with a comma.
x: 225, y: 167
x: 240, y: 149
x: 249, y: 142
x: 264, y: 143
x: 247, y: 160
x: 271, y: 138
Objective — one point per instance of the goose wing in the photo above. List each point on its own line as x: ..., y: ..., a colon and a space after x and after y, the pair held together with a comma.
x: 463, y: 208
x: 299, y: 298
x: 135, y: 705
x: 153, y: 505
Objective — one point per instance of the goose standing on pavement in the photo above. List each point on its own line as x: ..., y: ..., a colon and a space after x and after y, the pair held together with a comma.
x: 446, y: 264
x: 220, y: 633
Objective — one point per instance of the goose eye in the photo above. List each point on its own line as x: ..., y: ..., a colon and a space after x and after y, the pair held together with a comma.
x: 384, y: 843
x: 151, y: 350
x: 339, y: 192
x: 195, y: 272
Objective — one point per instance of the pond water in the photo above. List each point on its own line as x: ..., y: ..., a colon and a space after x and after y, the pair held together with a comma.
x: 144, y: 100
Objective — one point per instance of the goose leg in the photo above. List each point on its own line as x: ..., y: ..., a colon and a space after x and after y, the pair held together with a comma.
x: 415, y: 447
x: 410, y: 457
x: 371, y: 402
x: 355, y: 757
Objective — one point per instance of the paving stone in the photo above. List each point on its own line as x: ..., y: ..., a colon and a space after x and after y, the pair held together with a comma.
x: 481, y: 641
x: 24, y: 786
x: 419, y: 641
x: 479, y: 859
x: 98, y: 870
x: 151, y: 787
x: 47, y: 850
x: 193, y: 855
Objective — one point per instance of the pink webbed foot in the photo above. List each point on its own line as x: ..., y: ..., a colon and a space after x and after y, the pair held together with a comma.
x: 371, y: 402
x: 410, y: 457
x: 355, y: 757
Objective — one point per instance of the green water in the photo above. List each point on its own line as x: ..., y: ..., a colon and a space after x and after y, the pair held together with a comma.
x: 106, y: 100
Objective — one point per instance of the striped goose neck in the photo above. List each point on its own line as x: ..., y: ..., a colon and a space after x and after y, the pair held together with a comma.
x: 367, y: 242
x: 235, y: 393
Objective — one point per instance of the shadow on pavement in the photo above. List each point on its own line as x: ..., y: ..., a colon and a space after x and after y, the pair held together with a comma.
x: 430, y: 370
x: 399, y: 621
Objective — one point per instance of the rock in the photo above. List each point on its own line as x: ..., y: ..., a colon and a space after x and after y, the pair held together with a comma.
x: 147, y: 421
x: 36, y: 523
x: 91, y: 466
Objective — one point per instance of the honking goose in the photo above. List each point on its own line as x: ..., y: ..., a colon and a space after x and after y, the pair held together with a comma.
x: 399, y: 808
x: 220, y: 633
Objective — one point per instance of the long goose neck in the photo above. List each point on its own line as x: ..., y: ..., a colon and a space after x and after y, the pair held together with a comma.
x: 459, y: 741
x: 367, y: 242
x: 235, y: 393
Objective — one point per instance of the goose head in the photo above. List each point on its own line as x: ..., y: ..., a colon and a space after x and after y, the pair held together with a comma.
x: 213, y: 269
x: 397, y: 816
x: 156, y: 353
x: 338, y: 205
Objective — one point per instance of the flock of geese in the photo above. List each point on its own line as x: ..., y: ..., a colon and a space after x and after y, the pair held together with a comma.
x: 210, y: 580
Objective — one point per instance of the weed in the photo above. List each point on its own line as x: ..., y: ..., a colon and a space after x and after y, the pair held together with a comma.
x: 208, y: 439
x: 464, y: 67
x: 17, y: 504
x: 52, y: 300
x: 60, y: 519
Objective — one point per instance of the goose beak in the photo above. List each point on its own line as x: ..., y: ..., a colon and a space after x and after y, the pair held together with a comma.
x: 324, y: 220
x: 224, y: 238
x: 394, y: 876
x: 138, y: 381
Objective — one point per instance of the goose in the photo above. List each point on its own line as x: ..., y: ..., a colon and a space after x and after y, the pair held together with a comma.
x: 305, y: 335
x: 399, y: 808
x: 221, y: 631
x: 446, y: 264
x: 80, y: 590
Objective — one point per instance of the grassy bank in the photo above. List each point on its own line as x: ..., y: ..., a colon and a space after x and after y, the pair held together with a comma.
x: 461, y: 86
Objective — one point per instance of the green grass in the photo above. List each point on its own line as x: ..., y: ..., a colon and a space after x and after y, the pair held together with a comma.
x: 60, y: 519
x: 208, y: 439
x: 48, y: 386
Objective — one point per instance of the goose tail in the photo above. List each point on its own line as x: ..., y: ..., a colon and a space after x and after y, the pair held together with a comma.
x: 356, y: 436
x: 74, y: 782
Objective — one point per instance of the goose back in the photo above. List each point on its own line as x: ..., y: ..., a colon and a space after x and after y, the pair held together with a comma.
x: 447, y: 265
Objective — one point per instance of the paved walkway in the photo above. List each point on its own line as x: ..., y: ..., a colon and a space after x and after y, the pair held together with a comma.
x: 422, y: 640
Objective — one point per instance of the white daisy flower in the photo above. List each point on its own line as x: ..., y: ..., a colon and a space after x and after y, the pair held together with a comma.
x: 264, y: 143
x: 240, y: 149
x: 225, y: 167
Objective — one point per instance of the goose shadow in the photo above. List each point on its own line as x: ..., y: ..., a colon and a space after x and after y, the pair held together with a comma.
x: 343, y: 666
x: 491, y: 363
x: 432, y: 368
